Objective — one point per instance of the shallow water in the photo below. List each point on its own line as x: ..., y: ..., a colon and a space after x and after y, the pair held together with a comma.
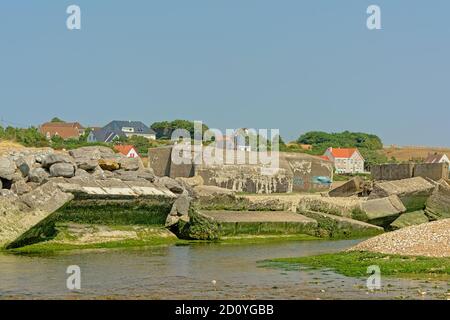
x: 187, y: 272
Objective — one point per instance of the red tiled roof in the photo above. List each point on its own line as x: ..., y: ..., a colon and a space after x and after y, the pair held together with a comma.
x: 123, y: 149
x: 343, y: 152
x: 325, y: 158
x: 63, y: 124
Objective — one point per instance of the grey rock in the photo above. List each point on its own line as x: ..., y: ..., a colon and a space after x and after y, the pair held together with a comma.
x: 1, y: 184
x: 181, y: 206
x: 171, y: 184
x: 20, y: 187
x: 126, y: 175
x: 99, y: 173
x: 24, y: 164
x: 66, y: 170
x: 81, y: 173
x: 54, y: 158
x: 86, y: 164
x: 38, y: 175
x: 93, y: 152
x: 130, y: 164
x: 146, y: 174
x: 7, y: 168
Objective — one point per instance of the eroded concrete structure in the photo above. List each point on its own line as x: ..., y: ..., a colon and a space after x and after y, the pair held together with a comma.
x: 295, y: 172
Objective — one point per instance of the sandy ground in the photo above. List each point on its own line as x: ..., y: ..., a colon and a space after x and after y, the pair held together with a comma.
x: 429, y: 239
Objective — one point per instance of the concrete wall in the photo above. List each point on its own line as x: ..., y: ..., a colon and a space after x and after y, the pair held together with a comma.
x: 389, y: 172
x: 434, y: 171
x: 297, y: 172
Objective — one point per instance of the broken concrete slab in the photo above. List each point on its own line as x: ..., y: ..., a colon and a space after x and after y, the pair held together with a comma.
x: 438, y: 204
x: 341, y: 227
x: 234, y: 223
x: 383, y: 211
x: 409, y: 219
x: 413, y: 192
x: 348, y: 189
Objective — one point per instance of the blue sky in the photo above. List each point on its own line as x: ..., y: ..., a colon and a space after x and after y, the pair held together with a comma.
x: 290, y: 64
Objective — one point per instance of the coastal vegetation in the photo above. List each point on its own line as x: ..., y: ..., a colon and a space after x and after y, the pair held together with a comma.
x: 355, y: 264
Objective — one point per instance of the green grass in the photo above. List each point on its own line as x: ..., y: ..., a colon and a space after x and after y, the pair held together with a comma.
x: 53, y: 247
x: 354, y: 264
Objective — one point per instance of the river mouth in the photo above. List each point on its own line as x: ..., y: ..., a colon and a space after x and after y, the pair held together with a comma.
x: 196, y: 271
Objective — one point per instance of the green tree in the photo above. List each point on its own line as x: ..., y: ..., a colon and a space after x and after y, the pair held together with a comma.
x: 56, y: 119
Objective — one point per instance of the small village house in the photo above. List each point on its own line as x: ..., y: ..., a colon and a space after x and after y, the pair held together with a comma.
x: 127, y: 150
x: 437, y: 158
x: 65, y: 130
x: 346, y: 160
x: 236, y: 141
x: 116, y: 129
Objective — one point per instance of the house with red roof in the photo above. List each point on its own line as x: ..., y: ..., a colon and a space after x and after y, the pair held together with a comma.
x: 127, y: 150
x: 65, y: 130
x: 346, y: 160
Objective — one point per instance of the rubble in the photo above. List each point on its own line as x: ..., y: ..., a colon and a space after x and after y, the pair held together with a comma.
x: 413, y: 192
x: 438, y: 204
x: 383, y: 211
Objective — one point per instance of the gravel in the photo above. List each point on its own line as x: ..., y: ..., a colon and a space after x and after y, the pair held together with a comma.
x: 429, y: 240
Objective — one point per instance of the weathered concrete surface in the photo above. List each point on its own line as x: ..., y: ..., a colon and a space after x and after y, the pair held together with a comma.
x: 28, y: 211
x: 391, y: 171
x: 433, y: 171
x: 340, y: 227
x: 438, y: 204
x: 409, y: 219
x: 413, y: 192
x: 296, y: 173
x: 232, y: 223
x: 159, y: 159
x: 348, y: 189
x: 382, y: 211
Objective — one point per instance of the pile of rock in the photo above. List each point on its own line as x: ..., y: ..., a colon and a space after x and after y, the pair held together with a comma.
x: 24, y: 170
x: 399, y: 203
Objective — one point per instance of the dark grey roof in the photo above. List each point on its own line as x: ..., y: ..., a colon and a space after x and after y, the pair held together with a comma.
x: 138, y: 126
x: 102, y: 135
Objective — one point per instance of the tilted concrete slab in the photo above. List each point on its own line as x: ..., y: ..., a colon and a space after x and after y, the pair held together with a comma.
x: 21, y: 215
x: 383, y: 211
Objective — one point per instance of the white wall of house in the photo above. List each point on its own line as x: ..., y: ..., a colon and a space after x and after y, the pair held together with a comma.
x: 354, y: 164
x: 132, y: 154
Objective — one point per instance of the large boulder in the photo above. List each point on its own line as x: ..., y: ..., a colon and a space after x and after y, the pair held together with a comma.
x: 196, y: 226
x: 171, y: 184
x: 7, y: 168
x: 109, y: 164
x: 130, y: 164
x: 86, y: 164
x: 383, y: 211
x: 25, y: 164
x: 438, y: 204
x: 54, y: 158
x: 179, y: 209
x: 65, y: 170
x: 413, y: 192
x: 20, y: 187
x: 92, y: 152
x: 38, y: 175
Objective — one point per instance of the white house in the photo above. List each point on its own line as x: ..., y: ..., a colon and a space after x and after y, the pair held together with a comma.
x: 346, y: 160
x: 127, y: 150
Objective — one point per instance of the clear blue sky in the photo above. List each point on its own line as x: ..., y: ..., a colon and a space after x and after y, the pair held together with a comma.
x: 289, y: 64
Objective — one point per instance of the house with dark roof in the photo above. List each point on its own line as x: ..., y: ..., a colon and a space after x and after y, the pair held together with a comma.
x: 116, y: 129
x: 437, y: 158
x: 346, y: 160
x: 65, y: 130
